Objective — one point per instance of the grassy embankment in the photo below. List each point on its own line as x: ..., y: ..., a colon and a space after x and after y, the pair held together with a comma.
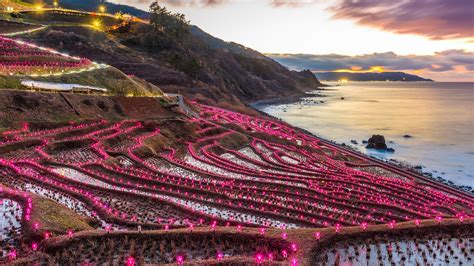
x: 57, y: 219
x: 115, y: 81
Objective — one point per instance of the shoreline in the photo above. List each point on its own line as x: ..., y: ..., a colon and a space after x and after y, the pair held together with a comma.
x: 317, y: 93
x: 402, y: 165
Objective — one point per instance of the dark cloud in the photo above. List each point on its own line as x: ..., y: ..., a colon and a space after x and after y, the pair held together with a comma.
x: 455, y: 61
x: 435, y: 19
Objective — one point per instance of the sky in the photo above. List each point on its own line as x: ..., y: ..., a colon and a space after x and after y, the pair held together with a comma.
x: 431, y: 38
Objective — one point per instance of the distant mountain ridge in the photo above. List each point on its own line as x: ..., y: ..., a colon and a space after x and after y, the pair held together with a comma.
x: 369, y: 76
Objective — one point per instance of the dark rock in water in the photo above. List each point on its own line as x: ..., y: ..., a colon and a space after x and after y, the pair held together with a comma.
x: 419, y: 167
x: 390, y: 149
x: 377, y: 142
x: 353, y: 141
x: 342, y: 98
x: 391, y: 141
x: 364, y: 141
x: 407, y: 136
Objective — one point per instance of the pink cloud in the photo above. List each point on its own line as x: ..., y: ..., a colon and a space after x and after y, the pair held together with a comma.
x: 435, y: 19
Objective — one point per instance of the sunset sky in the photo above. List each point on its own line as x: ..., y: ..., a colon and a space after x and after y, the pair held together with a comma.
x: 431, y: 38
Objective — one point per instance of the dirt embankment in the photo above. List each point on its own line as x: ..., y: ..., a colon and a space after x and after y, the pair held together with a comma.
x: 19, y: 106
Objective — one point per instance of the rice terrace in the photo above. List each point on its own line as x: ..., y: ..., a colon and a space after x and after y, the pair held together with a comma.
x: 99, y: 167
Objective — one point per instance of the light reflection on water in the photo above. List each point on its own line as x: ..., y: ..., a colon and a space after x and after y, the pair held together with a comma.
x: 439, y: 116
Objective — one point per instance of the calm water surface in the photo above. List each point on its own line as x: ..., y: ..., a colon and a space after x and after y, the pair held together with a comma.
x: 439, y: 117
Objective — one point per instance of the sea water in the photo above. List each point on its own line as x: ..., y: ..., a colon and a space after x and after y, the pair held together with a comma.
x: 437, y: 115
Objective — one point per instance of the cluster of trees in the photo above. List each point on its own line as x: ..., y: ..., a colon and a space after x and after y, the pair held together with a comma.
x: 173, y: 25
x: 170, y: 31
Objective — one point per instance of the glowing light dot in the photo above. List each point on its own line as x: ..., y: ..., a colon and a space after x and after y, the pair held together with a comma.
x: 130, y: 261
x: 317, y: 235
x: 294, y: 247
x: 294, y: 262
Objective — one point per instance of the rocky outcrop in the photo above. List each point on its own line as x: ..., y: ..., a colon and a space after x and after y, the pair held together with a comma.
x: 377, y: 142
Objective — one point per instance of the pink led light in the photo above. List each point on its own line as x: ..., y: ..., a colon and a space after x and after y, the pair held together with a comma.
x: 337, y: 228
x: 294, y: 262
x: 130, y: 261
x: 294, y: 247
x: 391, y: 224
x: 270, y: 256
x: 12, y: 254
x: 220, y: 256
x: 317, y: 235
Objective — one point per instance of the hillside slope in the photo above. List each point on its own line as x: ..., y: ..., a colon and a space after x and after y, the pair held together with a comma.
x: 21, y: 61
x: 202, y: 67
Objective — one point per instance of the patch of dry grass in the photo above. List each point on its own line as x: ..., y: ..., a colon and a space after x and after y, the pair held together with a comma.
x: 55, y: 218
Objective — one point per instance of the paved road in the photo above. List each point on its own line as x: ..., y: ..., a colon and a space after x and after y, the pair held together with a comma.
x: 182, y: 104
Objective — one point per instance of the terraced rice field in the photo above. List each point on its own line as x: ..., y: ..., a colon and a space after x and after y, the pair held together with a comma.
x: 11, y: 28
x: 10, y: 222
x: 434, y: 248
x: 22, y: 58
x: 233, y: 171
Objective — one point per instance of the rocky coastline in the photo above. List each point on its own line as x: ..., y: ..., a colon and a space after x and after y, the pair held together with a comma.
x: 408, y: 166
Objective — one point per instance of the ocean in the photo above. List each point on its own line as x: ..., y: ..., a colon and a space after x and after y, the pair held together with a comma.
x: 437, y: 115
